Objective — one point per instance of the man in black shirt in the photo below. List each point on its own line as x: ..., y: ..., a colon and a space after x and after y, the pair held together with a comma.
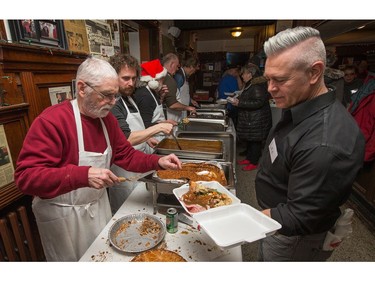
x: 312, y: 155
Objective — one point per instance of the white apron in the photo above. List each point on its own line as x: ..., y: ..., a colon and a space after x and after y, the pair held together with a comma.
x: 158, y: 115
x: 119, y: 193
x: 183, y: 97
x: 70, y: 222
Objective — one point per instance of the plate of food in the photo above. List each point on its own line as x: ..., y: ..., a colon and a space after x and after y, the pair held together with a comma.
x: 200, y: 196
x: 136, y: 233
x: 158, y: 255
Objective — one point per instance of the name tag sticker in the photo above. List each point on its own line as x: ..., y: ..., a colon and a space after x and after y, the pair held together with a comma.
x: 273, y: 150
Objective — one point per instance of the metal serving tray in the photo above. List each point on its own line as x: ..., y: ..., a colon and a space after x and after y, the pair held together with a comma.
x: 214, y: 111
x: 204, y: 150
x: 182, y: 181
x: 167, y: 185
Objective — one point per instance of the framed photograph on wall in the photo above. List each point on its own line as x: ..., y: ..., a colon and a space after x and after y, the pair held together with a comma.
x: 75, y: 31
x: 99, y: 36
x: 60, y: 94
x: 49, y: 33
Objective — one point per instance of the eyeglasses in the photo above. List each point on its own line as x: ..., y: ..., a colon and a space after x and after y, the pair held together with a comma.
x: 108, y: 97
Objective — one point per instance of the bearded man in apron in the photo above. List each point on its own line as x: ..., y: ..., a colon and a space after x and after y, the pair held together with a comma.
x: 65, y: 159
x: 147, y: 95
x: 131, y: 123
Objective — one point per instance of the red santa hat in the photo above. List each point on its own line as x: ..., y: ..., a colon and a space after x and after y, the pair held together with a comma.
x: 151, y: 71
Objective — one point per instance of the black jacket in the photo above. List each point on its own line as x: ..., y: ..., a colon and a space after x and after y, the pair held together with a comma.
x: 254, y: 111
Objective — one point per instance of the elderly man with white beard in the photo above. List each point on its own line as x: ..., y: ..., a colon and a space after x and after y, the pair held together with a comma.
x: 65, y: 159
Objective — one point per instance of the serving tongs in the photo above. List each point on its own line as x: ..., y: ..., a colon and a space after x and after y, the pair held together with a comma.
x: 175, y: 139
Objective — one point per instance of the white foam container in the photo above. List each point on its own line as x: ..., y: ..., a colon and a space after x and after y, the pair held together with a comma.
x: 178, y: 192
x: 233, y: 225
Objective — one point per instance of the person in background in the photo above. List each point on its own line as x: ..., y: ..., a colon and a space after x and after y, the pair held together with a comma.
x: 189, y: 65
x: 334, y: 78
x: 362, y: 70
x: 351, y: 83
x: 254, y: 114
x: 312, y: 155
x: 131, y: 123
x: 172, y: 99
x: 147, y: 95
x: 230, y: 83
x: 65, y: 159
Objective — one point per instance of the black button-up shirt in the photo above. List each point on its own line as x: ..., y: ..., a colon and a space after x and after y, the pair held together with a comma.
x: 320, y: 150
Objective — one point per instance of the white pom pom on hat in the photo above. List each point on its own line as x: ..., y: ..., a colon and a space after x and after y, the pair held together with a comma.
x: 151, y: 71
x: 153, y: 84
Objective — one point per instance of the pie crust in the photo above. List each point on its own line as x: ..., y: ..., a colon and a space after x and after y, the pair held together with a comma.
x: 158, y: 255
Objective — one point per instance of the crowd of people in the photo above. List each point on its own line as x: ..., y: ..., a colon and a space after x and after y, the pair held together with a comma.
x: 306, y: 163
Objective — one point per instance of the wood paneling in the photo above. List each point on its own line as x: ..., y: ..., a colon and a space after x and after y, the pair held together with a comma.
x: 15, y: 122
x: 26, y: 75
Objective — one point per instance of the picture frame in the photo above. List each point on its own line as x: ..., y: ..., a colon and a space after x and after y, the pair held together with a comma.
x: 60, y: 94
x: 99, y: 36
x: 76, y: 35
x: 48, y: 33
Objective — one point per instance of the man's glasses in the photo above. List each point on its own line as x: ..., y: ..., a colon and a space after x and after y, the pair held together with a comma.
x: 108, y: 97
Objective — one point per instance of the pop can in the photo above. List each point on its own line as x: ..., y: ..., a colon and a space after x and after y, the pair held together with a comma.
x: 172, y: 220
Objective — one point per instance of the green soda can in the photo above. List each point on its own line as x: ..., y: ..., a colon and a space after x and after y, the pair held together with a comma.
x: 172, y: 220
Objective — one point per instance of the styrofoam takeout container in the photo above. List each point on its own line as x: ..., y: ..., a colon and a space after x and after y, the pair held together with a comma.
x: 178, y: 192
x: 233, y: 225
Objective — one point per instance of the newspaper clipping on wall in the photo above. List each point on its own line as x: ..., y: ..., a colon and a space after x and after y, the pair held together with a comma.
x: 100, y: 38
x: 6, y: 164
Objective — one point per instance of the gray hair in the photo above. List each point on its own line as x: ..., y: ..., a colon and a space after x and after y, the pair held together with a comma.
x: 293, y: 36
x: 251, y: 68
x: 94, y: 71
x: 169, y: 58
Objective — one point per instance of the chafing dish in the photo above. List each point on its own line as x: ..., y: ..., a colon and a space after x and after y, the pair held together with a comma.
x: 162, y: 190
x: 214, y: 111
x: 228, y: 138
x: 198, y: 149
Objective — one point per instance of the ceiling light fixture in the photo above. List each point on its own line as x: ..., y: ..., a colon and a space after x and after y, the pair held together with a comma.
x: 236, y: 32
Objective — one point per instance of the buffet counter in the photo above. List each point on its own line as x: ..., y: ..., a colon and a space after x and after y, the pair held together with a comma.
x: 189, y: 242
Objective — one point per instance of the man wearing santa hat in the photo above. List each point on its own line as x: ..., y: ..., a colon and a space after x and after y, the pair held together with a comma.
x: 147, y: 96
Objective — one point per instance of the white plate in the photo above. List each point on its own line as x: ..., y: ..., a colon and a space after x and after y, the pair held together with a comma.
x: 233, y: 225
x: 178, y: 192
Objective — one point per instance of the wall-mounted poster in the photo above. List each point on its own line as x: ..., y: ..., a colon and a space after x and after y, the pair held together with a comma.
x: 6, y: 164
x: 60, y: 94
x: 99, y: 35
x: 76, y: 35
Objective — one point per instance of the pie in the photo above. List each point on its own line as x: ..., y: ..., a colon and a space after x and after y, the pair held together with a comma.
x: 158, y: 255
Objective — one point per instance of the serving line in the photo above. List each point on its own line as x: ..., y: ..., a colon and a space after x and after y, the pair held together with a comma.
x: 189, y: 242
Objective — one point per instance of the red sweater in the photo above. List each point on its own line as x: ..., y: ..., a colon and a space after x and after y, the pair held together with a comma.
x: 364, y: 114
x: 47, y: 164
